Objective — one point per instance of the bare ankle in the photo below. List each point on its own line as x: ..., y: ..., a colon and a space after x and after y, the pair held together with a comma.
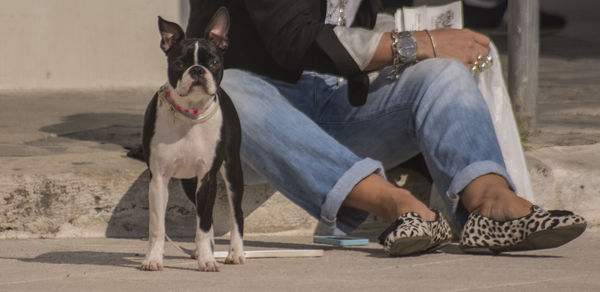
x: 494, y: 199
x: 376, y: 195
x: 406, y: 203
x: 482, y: 190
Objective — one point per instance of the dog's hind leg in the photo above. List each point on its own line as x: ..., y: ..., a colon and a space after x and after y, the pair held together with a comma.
x: 190, y: 187
x: 231, y: 172
x: 205, y: 242
x: 235, y: 187
x: 158, y: 196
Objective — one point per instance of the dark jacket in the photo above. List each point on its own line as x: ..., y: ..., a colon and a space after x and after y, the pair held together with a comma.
x: 282, y: 38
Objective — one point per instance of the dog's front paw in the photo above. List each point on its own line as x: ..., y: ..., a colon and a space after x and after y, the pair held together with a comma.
x: 208, y: 266
x: 154, y: 257
x: 148, y: 265
x: 235, y: 258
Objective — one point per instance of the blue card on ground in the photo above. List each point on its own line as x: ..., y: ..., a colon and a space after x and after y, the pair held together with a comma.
x: 340, y: 240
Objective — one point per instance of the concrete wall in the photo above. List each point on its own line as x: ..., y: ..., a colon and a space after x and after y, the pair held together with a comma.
x: 82, y: 44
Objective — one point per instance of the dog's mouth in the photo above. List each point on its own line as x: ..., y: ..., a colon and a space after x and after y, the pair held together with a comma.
x: 198, y: 85
x: 195, y: 87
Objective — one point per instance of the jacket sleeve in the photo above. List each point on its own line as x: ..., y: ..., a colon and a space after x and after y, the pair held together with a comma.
x: 296, y: 37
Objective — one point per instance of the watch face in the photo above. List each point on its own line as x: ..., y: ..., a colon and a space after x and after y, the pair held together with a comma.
x: 407, y: 47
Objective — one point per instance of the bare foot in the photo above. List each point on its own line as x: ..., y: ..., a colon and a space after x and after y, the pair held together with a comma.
x: 490, y: 196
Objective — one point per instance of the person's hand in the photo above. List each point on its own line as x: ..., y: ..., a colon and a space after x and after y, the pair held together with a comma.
x: 461, y: 44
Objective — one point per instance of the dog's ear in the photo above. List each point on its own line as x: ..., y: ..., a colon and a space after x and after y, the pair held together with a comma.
x: 218, y: 28
x: 170, y: 32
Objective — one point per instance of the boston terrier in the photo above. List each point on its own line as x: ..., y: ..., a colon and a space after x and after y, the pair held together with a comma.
x: 191, y: 132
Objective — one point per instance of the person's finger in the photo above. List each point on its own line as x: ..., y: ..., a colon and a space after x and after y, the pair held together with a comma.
x: 463, y: 45
x: 476, y: 50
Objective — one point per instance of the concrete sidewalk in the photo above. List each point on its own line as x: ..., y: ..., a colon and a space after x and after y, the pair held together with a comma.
x: 113, y: 265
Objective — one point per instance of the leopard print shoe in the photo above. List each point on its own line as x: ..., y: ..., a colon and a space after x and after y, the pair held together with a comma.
x: 411, y: 234
x: 538, y: 230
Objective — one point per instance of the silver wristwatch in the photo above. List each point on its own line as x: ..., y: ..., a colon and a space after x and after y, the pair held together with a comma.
x: 404, y: 52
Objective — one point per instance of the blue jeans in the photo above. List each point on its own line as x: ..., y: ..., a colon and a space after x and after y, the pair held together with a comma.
x: 313, y: 146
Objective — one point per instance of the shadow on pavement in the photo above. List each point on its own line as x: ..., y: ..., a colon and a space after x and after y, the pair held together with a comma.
x: 84, y: 258
x: 105, y: 128
x: 454, y: 249
x: 129, y: 218
x: 133, y: 260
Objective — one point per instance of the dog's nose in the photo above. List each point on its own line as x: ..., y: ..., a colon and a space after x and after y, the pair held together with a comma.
x: 196, y: 72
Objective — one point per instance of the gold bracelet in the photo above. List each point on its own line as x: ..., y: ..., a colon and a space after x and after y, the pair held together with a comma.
x: 432, y: 44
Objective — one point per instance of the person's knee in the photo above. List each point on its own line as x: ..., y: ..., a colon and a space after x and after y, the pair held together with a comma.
x: 442, y: 70
x: 245, y: 88
x: 448, y: 83
x: 234, y: 79
x: 234, y: 74
x: 257, y: 102
x: 245, y: 91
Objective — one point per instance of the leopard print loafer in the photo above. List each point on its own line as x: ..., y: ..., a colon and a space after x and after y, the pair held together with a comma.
x: 411, y: 234
x: 538, y: 230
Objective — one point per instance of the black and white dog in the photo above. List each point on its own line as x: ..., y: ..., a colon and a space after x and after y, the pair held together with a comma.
x: 191, y: 132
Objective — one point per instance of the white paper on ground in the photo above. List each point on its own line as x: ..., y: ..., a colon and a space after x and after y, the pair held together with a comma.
x: 275, y: 253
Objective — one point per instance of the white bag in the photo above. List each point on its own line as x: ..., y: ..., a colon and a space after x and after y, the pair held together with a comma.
x: 492, y: 86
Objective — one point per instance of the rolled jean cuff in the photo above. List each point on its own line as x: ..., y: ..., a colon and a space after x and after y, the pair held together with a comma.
x: 471, y: 172
x: 342, y: 220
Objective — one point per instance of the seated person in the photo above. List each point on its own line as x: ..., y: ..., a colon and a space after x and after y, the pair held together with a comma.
x: 324, y: 142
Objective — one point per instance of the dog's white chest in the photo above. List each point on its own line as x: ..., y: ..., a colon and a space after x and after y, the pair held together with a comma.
x: 183, y: 148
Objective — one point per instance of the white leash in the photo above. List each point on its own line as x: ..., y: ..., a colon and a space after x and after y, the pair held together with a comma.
x: 177, y: 247
x: 270, y: 253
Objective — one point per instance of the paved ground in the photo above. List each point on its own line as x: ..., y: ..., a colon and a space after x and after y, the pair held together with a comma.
x: 568, y: 102
x: 113, y: 265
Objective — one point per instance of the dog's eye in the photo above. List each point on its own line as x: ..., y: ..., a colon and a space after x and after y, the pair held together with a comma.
x: 214, y: 62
